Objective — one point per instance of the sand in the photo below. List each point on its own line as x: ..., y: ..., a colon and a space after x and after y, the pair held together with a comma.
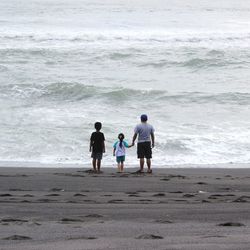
x: 70, y: 208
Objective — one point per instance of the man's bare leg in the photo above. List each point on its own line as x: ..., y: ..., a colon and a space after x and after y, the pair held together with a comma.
x: 141, y: 164
x: 149, y: 165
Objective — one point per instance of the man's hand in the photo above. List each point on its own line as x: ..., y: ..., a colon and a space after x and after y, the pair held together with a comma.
x: 153, y: 145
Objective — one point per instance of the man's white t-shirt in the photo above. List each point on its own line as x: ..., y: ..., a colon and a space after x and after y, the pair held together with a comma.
x: 144, y: 130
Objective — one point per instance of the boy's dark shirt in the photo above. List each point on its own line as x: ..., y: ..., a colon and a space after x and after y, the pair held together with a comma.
x: 97, y: 139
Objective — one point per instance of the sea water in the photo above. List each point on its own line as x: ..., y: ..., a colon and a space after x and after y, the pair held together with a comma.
x: 66, y: 64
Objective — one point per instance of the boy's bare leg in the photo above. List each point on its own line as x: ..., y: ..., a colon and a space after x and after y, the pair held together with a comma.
x: 98, y: 165
x: 122, y: 166
x: 94, y: 164
x: 141, y: 163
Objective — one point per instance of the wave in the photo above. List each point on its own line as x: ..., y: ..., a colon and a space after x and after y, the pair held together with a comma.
x: 160, y: 37
x: 142, y: 58
x: 75, y: 92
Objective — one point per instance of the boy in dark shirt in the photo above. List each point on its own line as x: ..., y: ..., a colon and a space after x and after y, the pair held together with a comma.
x: 97, y: 146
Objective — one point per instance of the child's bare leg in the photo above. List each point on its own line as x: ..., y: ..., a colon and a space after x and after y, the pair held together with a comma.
x: 118, y: 167
x: 122, y: 165
x: 98, y: 165
x: 94, y: 164
x: 141, y: 163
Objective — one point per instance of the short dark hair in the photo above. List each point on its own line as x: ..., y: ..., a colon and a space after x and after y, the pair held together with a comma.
x: 98, y: 126
x: 144, y: 118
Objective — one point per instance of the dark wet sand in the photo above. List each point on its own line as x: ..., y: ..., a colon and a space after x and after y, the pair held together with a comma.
x: 46, y: 208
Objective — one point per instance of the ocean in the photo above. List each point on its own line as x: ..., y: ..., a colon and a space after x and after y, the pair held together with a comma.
x: 66, y: 64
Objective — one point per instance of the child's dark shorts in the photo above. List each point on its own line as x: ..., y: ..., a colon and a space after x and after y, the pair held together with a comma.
x: 120, y: 159
x: 96, y: 156
x: 144, y: 150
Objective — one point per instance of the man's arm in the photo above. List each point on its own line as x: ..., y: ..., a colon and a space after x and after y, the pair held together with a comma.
x: 134, y: 138
x: 153, y: 139
x: 126, y: 145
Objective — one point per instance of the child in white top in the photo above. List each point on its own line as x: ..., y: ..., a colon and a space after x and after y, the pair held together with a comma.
x: 119, y: 150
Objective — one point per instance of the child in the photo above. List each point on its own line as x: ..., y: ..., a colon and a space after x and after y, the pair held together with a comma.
x: 97, y: 146
x: 119, y: 151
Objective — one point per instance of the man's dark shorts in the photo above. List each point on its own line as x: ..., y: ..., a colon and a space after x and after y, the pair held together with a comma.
x: 144, y: 150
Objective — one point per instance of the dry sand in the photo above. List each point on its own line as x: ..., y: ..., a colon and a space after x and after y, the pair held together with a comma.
x: 48, y: 208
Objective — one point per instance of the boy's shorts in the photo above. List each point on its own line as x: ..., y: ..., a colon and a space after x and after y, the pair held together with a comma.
x: 144, y: 150
x: 96, y: 156
x: 120, y: 159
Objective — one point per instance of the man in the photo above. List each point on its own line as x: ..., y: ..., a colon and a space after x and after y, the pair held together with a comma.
x: 145, y: 143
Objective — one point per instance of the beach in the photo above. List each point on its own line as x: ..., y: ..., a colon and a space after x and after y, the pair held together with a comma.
x: 173, y: 208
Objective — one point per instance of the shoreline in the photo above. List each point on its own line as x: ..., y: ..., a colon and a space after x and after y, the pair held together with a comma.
x: 25, y: 164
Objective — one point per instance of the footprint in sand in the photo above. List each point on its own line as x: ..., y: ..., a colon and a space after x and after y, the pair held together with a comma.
x: 149, y: 237
x: 201, y: 183
x: 5, y: 195
x: 56, y: 190
x: 116, y: 201
x: 205, y: 201
x: 90, y: 201
x: 130, y: 192
x: 163, y: 221
x: 226, y: 188
x: 176, y: 176
x: 188, y: 195
x: 83, y: 238
x: 93, y: 216
x: 12, y: 220
x: 134, y: 195
x: 17, y: 237
x: 71, y: 220
x: 214, y: 236
x: 79, y: 194
x: 145, y: 200
x: 241, y: 199
x: 165, y: 179
x: 45, y: 200
x: 231, y: 224
x: 159, y: 195
x: 25, y: 201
